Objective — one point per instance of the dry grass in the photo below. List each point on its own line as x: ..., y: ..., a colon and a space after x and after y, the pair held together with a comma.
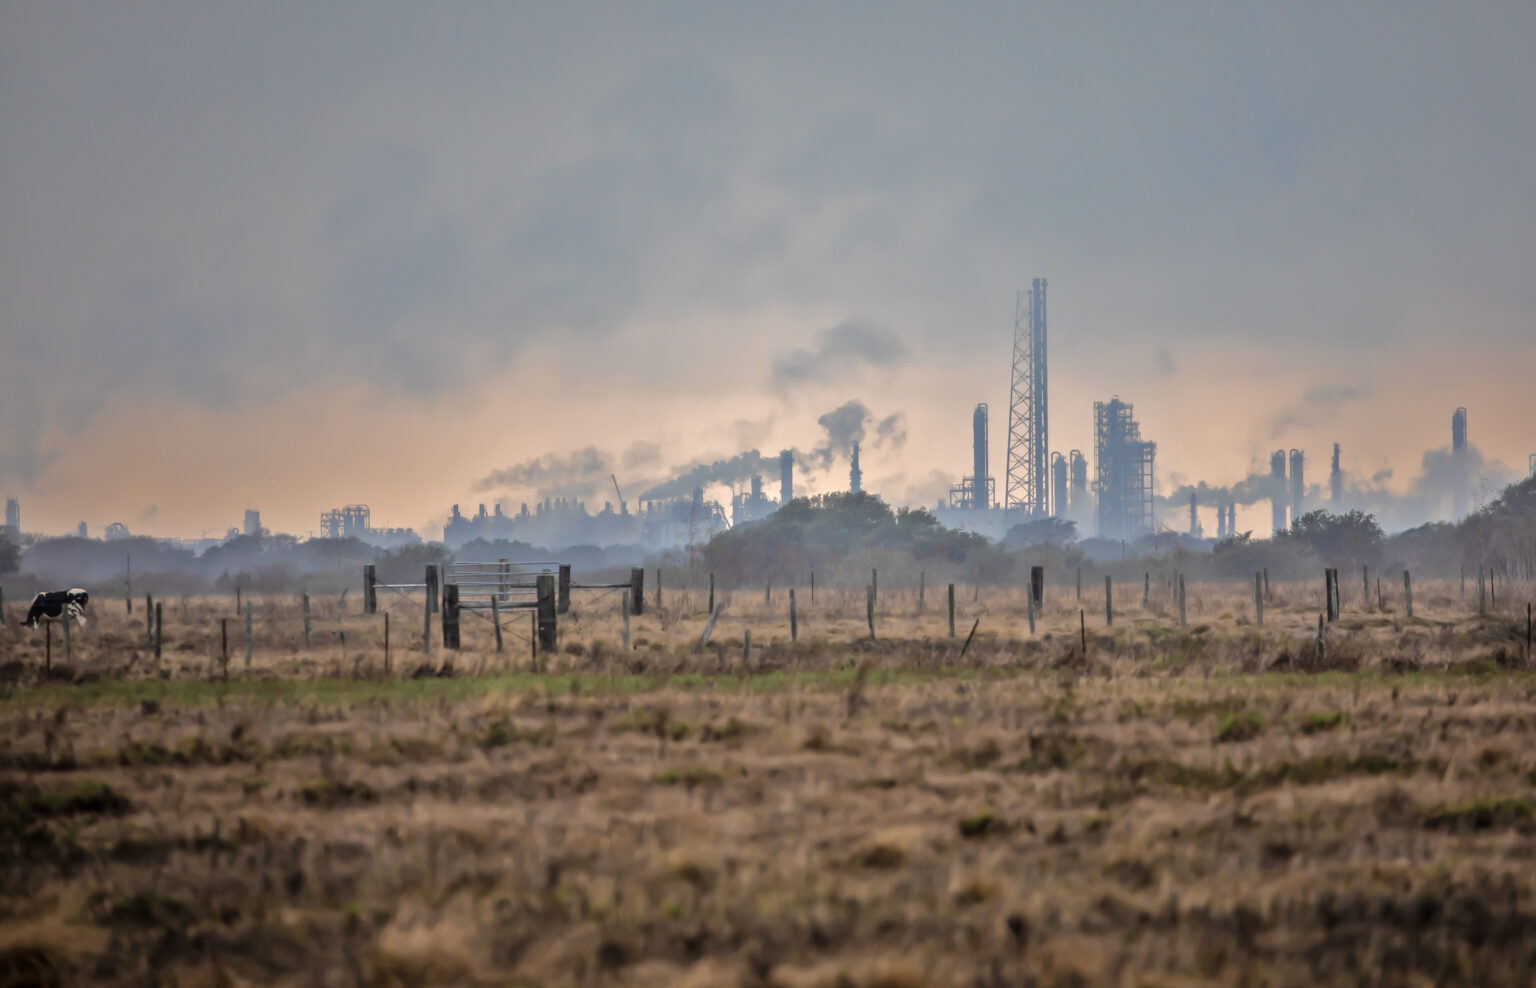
x: 1179, y: 806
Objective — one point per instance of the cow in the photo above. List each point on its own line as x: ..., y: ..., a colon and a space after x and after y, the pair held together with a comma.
x: 55, y: 605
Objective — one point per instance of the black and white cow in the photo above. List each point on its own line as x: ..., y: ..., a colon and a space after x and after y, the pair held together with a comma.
x: 55, y: 605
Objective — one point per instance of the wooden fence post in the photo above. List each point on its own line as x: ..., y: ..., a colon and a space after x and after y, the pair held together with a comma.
x: 451, y: 615
x: 426, y: 620
x: 1331, y: 594
x: 249, y: 633
x: 1146, y: 589
x: 430, y: 579
x: 1182, y: 621
x: 548, y: 608
x: 637, y: 591
x: 386, y: 642
x: 495, y: 622
x: 1037, y: 585
x: 709, y: 625
x: 1109, y: 602
x: 563, y: 601
x: 711, y: 593
x: 1258, y: 596
x: 224, y: 647
x: 159, y: 630
x: 65, y: 623
x: 306, y: 620
x: 794, y: 626
x: 1031, y: 598
x: 624, y: 616
x: 746, y: 648
x: 951, y: 610
x: 237, y: 599
x: 370, y: 591
x: 869, y: 610
x: 1408, y: 592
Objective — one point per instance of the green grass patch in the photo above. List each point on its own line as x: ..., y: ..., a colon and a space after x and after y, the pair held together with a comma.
x: 1239, y: 727
x: 1483, y: 814
x: 1323, y: 720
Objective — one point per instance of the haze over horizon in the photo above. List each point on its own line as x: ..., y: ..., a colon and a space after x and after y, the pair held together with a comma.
x: 291, y: 257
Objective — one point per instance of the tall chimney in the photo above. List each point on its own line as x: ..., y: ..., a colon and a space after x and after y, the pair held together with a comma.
x: 786, y: 477
x: 1277, y: 491
x: 1336, y: 480
x: 979, y: 497
x: 855, y: 475
x: 1459, y: 463
x: 1194, y: 518
x: 1298, y: 485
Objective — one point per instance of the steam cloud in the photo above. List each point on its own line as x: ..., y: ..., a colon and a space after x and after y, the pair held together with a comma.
x: 851, y: 423
x: 579, y: 473
x: 840, y: 351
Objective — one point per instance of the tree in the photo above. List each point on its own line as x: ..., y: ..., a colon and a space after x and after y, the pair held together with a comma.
x: 1338, y: 539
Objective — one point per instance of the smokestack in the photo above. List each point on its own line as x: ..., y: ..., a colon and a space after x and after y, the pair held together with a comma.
x: 13, y: 515
x: 1231, y: 519
x: 786, y: 477
x: 1335, y: 480
x: 1277, y: 491
x: 1298, y: 485
x: 1058, y: 485
x: 1077, y: 466
x: 1194, y: 518
x: 855, y: 475
x: 979, y: 497
x: 1459, y: 463
x: 1221, y: 521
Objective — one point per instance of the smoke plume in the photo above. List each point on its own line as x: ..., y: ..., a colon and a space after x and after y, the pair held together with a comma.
x: 839, y: 352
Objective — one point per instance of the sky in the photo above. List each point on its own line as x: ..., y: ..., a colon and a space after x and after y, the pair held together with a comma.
x: 289, y: 256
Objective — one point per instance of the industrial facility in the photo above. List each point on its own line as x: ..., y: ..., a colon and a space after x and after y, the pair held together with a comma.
x: 354, y: 521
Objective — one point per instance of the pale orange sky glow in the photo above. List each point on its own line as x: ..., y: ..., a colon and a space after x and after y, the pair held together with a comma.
x: 291, y: 259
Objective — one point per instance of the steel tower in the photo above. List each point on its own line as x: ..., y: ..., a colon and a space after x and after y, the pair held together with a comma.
x: 1028, y: 482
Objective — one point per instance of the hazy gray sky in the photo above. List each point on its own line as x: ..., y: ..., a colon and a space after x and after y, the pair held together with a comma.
x: 290, y: 256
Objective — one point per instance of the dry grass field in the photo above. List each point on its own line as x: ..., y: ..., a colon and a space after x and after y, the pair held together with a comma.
x: 1212, y: 804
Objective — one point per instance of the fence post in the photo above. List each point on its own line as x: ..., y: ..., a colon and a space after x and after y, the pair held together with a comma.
x: 1031, y: 596
x: 951, y: 610
x: 1258, y: 596
x: 746, y: 647
x: 430, y: 579
x: 1109, y: 602
x: 159, y: 629
x: 426, y: 618
x: 869, y: 610
x: 224, y: 647
x: 637, y: 591
x: 370, y: 591
x: 1146, y: 589
x: 149, y: 619
x: 624, y: 614
x: 451, y: 615
x: 341, y: 622
x: 709, y: 626
x: 1182, y: 621
x: 1408, y: 592
x: 495, y: 622
x: 1037, y: 585
x: 65, y: 622
x: 548, y: 608
x: 386, y: 642
x: 1331, y: 593
x: 249, y: 633
x: 794, y: 626
x: 238, y: 605
x: 1322, y: 654
x: 711, y: 593
x: 563, y: 601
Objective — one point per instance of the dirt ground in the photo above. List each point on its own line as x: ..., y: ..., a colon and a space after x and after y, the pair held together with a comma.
x: 1219, y: 803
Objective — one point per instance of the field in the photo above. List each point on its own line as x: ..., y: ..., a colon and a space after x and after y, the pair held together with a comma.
x: 1221, y: 803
